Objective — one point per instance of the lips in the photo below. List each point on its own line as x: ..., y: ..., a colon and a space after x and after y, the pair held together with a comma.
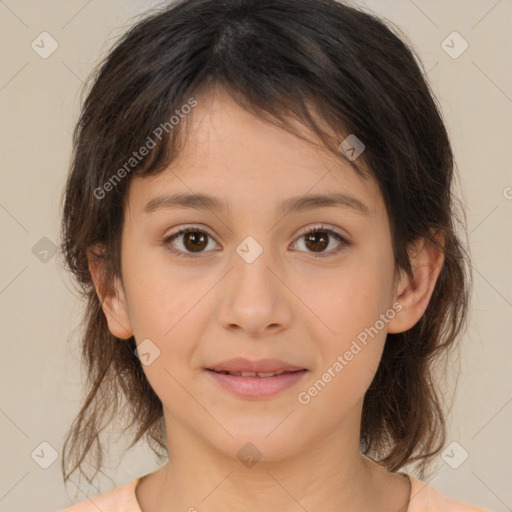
x: 252, y: 374
x: 245, y: 379
x: 240, y: 366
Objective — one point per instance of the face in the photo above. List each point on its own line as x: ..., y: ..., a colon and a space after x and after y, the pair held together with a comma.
x: 254, y: 280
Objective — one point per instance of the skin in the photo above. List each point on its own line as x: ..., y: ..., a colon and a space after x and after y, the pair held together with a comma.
x: 288, y: 304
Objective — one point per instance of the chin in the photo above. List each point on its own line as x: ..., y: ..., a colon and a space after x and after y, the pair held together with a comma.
x: 252, y: 445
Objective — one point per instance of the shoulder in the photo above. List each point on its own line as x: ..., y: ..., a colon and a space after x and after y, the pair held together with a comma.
x: 425, y: 498
x: 121, y: 499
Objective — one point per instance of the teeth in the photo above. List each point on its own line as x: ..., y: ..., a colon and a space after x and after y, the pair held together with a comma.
x: 253, y: 374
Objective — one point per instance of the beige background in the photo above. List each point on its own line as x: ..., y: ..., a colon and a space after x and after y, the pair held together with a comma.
x: 39, y: 100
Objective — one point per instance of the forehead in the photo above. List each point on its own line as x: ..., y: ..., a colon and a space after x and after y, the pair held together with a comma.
x: 245, y: 161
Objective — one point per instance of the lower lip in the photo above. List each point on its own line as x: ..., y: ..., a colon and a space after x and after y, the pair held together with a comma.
x: 257, y: 387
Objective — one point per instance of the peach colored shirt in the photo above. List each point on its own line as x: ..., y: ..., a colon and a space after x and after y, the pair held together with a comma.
x: 424, y: 498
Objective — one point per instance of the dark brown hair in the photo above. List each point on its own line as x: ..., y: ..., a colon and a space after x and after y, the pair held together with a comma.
x: 282, y: 60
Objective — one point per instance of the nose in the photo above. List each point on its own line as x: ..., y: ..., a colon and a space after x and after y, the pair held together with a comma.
x: 254, y: 298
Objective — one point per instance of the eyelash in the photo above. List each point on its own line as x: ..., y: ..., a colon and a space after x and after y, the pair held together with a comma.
x: 321, y: 229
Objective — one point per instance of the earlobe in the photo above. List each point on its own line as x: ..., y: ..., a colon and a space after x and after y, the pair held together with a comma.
x: 414, y: 291
x: 112, y: 299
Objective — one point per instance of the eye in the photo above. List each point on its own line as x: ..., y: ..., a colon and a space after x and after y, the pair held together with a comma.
x: 193, y: 239
x: 319, y: 238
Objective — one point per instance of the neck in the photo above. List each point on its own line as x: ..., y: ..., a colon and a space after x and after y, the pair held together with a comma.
x: 327, y: 476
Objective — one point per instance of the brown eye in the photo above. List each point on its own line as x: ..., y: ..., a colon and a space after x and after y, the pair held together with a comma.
x: 318, y: 240
x: 194, y: 241
x: 189, y: 241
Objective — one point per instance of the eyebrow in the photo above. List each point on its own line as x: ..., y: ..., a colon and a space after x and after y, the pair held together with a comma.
x: 290, y: 205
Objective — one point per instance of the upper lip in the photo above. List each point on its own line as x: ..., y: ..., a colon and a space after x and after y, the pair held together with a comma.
x: 240, y: 364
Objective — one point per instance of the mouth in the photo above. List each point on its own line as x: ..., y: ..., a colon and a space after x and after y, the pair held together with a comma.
x: 263, y: 375
x: 248, y: 367
x: 256, y: 385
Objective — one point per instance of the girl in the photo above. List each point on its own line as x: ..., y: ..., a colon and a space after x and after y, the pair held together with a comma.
x: 260, y: 215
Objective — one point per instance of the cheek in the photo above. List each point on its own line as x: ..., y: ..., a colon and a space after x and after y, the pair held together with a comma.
x: 353, y: 306
x: 166, y: 304
x: 349, y: 358
x: 352, y: 297
x: 161, y: 294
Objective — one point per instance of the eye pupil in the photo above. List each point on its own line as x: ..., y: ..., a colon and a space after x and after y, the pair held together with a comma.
x: 318, y: 238
x: 197, y: 239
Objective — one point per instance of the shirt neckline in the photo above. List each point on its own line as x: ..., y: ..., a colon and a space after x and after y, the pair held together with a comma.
x: 412, y: 490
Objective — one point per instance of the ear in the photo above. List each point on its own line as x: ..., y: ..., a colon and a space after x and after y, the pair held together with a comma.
x: 413, y: 293
x: 113, y: 300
